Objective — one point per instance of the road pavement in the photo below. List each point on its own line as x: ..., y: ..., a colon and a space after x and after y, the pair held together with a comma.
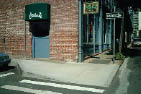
x: 128, y: 79
x: 12, y: 82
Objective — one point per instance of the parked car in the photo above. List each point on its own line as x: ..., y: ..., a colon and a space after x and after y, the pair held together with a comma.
x: 136, y: 42
x: 4, y: 60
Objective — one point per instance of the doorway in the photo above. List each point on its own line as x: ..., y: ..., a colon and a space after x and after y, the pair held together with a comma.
x: 40, y: 39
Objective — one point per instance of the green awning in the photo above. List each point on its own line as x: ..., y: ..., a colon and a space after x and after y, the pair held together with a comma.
x: 37, y: 11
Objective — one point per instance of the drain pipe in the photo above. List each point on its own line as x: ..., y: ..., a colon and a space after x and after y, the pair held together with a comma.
x: 3, y: 44
x: 80, y: 59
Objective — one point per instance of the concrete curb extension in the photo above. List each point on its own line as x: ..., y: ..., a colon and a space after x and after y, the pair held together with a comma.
x: 102, y: 78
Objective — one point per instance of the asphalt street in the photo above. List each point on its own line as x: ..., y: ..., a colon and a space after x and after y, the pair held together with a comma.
x: 128, y: 79
x: 13, y: 82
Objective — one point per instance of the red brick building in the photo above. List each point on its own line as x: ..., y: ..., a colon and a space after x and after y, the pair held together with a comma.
x: 63, y: 39
x: 63, y: 28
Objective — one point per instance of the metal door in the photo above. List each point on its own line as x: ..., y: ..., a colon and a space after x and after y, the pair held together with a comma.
x: 40, y: 47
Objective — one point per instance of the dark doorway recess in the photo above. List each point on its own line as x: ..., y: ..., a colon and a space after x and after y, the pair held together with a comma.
x: 40, y: 28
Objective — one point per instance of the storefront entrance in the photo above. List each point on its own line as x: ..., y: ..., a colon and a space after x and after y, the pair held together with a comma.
x: 89, y: 35
x: 38, y: 15
x: 40, y: 38
x: 90, y: 27
x: 95, y: 32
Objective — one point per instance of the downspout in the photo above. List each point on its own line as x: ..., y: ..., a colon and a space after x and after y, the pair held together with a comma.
x: 81, y: 58
x: 100, y: 30
x: 94, y: 35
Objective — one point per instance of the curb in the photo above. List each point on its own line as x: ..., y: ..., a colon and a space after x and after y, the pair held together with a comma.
x: 14, y: 63
x: 120, y: 66
x: 112, y: 75
x: 124, y: 63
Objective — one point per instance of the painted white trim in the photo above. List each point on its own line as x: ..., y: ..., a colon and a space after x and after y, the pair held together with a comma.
x: 7, y: 74
x: 28, y: 90
x: 63, y: 86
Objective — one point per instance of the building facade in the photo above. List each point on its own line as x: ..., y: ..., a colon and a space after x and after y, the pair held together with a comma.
x: 66, y: 35
x: 136, y: 23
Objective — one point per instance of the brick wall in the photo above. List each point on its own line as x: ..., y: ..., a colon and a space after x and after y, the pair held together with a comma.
x: 63, y: 29
x: 12, y: 28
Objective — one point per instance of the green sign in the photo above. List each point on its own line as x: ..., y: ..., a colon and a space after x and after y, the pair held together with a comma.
x: 91, y: 7
x: 37, y: 11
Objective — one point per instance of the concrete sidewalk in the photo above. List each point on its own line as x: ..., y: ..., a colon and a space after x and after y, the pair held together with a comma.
x: 95, y: 74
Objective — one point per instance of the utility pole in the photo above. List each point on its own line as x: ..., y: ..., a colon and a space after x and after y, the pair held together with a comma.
x: 121, y: 33
x: 24, y: 39
x: 113, y: 16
